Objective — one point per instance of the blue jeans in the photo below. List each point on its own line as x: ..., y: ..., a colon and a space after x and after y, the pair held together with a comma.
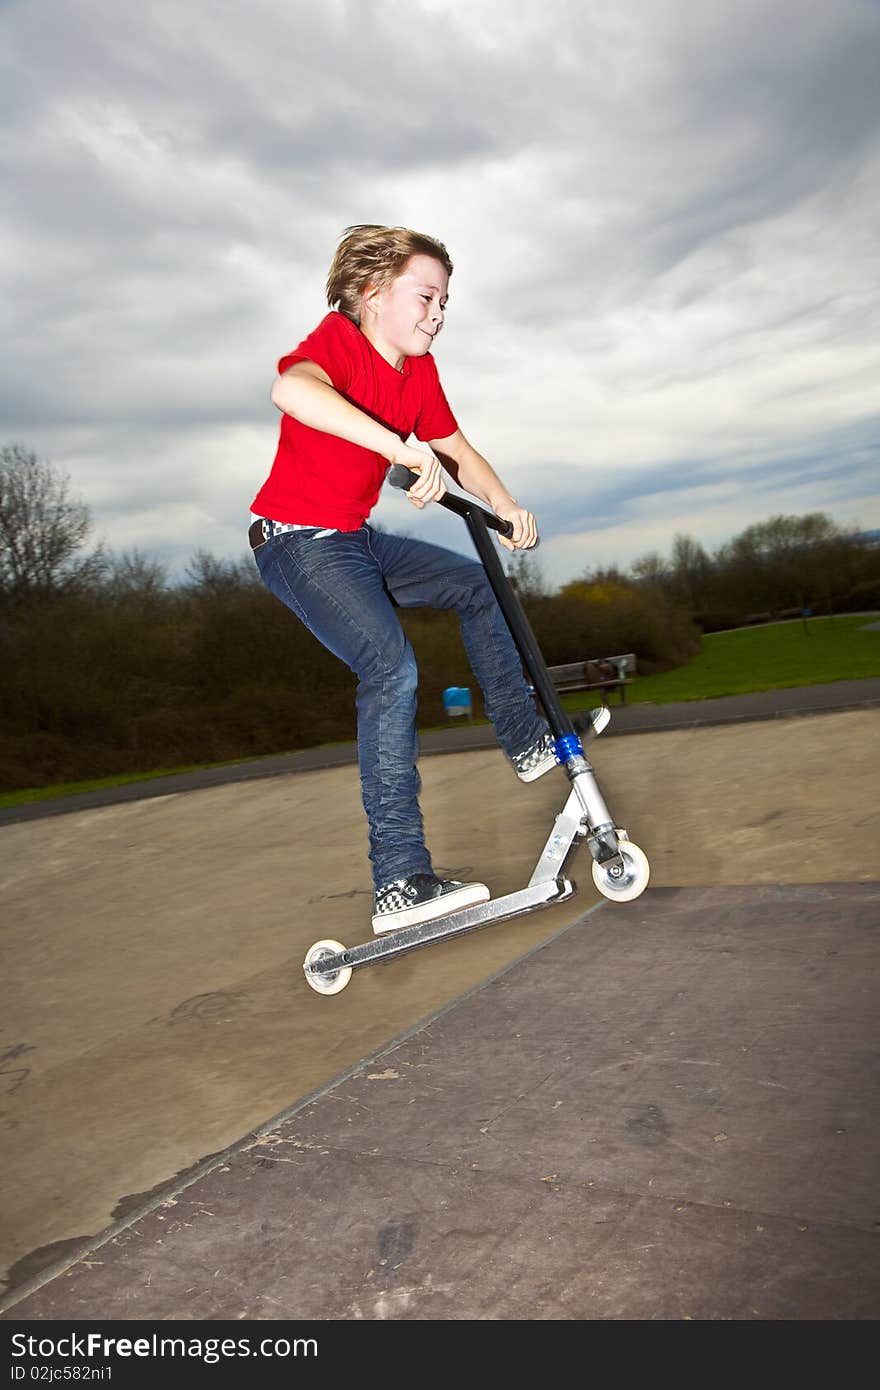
x: 341, y: 586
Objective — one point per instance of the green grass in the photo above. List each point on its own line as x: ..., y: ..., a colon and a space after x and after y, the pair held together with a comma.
x: 21, y: 798
x: 763, y: 658
x: 730, y: 663
x: 120, y: 779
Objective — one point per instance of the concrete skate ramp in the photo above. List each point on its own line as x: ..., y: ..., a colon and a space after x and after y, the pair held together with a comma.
x: 666, y: 1111
x: 153, y: 1009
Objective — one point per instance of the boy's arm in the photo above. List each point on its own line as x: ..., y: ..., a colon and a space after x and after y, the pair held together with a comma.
x: 306, y: 393
x: 477, y: 476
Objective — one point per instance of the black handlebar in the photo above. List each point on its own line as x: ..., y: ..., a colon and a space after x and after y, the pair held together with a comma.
x: 401, y: 476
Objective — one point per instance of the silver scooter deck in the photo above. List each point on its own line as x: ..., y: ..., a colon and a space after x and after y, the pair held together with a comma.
x: 403, y: 939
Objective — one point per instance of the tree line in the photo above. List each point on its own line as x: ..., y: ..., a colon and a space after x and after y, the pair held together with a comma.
x: 107, y: 666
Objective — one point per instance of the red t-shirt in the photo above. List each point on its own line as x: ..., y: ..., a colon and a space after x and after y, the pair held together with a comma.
x: 320, y: 480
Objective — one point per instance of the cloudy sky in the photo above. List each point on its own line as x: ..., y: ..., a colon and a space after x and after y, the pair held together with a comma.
x: 663, y: 215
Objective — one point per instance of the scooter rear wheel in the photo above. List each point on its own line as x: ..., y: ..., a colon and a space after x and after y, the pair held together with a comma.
x: 631, y: 881
x: 331, y: 981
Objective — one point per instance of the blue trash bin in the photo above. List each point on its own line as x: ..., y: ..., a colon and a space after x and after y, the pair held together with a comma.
x: 457, y: 701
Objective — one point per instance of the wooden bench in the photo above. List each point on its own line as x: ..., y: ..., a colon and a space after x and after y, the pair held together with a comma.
x: 607, y: 673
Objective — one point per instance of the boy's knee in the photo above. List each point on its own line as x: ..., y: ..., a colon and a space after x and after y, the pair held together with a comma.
x: 397, y: 668
x: 406, y: 672
x: 481, y: 593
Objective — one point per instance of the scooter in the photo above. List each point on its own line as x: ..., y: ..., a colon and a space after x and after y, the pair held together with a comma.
x: 620, y: 869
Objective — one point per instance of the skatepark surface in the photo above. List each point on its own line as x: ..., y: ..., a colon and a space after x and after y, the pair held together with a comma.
x: 663, y: 1109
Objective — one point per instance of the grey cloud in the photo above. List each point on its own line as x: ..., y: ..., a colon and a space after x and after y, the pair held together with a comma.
x: 285, y: 89
x: 181, y: 172
x: 846, y: 461
x: 746, y: 110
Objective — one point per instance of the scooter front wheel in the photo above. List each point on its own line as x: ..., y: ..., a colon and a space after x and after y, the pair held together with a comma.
x: 630, y: 880
x: 327, y: 981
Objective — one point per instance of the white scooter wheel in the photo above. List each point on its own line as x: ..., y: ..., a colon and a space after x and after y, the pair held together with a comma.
x: 331, y: 981
x: 631, y: 881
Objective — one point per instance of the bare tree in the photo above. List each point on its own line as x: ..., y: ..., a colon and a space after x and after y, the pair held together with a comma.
x: 42, y: 528
x: 209, y: 575
x: 650, y: 567
x: 133, y: 574
x: 525, y: 575
x: 783, y: 561
x: 690, y: 569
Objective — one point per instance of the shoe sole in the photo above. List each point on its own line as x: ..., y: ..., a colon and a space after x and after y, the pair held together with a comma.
x: 467, y: 896
x: 539, y: 770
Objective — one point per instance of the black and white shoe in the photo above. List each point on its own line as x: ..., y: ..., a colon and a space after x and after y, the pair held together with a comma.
x: 538, y: 759
x: 421, y: 898
x: 535, y: 761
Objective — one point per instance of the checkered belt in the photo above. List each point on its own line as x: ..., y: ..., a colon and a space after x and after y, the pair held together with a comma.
x: 263, y: 530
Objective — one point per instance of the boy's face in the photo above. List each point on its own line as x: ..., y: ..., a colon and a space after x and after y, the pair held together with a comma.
x: 407, y: 315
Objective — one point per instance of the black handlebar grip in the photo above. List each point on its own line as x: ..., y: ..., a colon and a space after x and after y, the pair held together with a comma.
x: 401, y: 476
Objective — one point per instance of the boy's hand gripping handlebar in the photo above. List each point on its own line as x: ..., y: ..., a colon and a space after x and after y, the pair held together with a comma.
x: 401, y: 476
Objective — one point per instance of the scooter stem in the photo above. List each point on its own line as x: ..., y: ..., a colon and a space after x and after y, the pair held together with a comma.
x: 557, y: 717
x: 479, y: 522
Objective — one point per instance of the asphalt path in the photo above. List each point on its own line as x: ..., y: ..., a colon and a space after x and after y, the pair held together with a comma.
x: 463, y: 737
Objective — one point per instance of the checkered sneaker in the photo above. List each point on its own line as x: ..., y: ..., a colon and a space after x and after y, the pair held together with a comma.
x: 538, y: 759
x: 535, y: 761
x: 422, y: 898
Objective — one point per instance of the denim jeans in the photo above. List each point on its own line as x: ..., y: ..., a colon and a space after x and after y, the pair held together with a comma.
x: 341, y: 586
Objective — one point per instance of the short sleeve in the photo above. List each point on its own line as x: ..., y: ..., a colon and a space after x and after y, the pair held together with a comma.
x: 435, y: 419
x: 329, y: 346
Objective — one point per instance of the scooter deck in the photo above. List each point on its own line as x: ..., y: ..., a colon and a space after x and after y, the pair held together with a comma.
x: 397, y: 943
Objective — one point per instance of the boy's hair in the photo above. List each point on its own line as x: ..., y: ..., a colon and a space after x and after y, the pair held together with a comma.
x: 372, y: 255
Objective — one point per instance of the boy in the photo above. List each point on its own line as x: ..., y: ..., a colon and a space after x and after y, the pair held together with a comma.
x: 351, y: 395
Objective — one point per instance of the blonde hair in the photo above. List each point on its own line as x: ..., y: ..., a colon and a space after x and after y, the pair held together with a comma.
x: 372, y: 255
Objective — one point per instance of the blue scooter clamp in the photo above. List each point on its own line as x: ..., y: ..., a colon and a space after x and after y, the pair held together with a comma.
x: 568, y: 746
